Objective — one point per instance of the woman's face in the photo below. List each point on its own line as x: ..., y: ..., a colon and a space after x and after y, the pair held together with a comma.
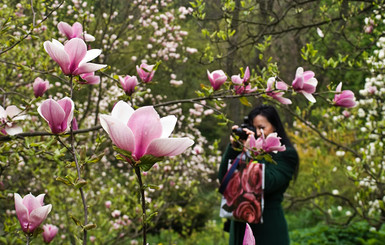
x: 261, y: 123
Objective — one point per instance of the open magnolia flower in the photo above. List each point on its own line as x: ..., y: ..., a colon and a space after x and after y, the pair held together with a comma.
x: 305, y: 83
x: 277, y: 95
x: 8, y: 118
x: 271, y: 143
x: 73, y: 56
x: 30, y: 211
x: 142, y: 132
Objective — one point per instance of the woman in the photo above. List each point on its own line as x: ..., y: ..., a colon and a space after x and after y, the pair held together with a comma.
x: 273, y: 230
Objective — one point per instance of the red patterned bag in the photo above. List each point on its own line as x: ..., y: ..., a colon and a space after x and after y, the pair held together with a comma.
x: 242, y: 189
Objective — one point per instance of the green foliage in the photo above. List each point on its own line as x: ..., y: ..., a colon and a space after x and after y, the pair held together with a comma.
x: 357, y: 233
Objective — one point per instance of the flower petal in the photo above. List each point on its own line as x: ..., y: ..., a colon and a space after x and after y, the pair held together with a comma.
x: 65, y: 29
x: 21, y: 212
x: 120, y: 134
x: 146, y: 126
x: 88, y: 67
x: 168, y: 146
x: 168, y: 125
x: 56, y: 50
x: 13, y: 130
x: 53, y: 113
x: 38, y: 215
x: 68, y: 106
x: 310, y: 97
x: 90, y: 55
x: 122, y: 111
x: 76, y: 49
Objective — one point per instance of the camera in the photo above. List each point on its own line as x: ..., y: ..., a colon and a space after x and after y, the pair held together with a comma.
x: 239, y: 131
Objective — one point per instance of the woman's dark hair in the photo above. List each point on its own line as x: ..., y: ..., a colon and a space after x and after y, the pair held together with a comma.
x: 272, y: 116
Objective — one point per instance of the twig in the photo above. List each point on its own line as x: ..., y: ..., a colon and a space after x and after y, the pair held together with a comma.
x: 30, y: 31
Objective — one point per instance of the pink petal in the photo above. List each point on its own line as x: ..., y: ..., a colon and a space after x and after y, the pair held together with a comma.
x: 120, y: 134
x: 68, y: 107
x: 38, y: 215
x: 21, y: 212
x: 58, y: 54
x: 168, y: 146
x: 31, y: 203
x: 310, y: 97
x: 248, y: 238
x: 88, y: 67
x: 76, y: 48
x: 53, y: 113
x: 77, y: 29
x: 66, y: 29
x: 146, y: 126
x: 339, y: 87
x: 40, y: 199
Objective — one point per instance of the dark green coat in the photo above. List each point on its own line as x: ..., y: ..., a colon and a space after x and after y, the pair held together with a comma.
x: 273, y: 230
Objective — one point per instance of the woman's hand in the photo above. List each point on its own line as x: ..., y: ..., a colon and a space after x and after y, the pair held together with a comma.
x: 245, y: 143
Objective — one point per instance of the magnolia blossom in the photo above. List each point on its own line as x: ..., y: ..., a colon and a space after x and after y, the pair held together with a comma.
x: 248, y: 238
x: 58, y: 114
x: 30, y: 211
x: 128, y: 84
x: 142, y: 132
x: 49, y: 233
x: 90, y: 78
x: 145, y: 72
x: 73, y: 56
x: 40, y: 86
x: 345, y: 98
x: 74, y: 31
x: 217, y: 78
x: 241, y: 85
x: 305, y: 83
x: 277, y: 95
x: 271, y: 143
x: 7, y: 119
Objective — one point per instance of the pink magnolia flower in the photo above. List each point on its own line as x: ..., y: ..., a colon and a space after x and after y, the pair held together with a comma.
x: 241, y: 85
x: 248, y: 238
x: 30, y: 211
x: 217, y: 78
x: 277, y: 95
x: 345, y: 98
x: 142, y: 132
x: 108, y: 204
x: 8, y: 118
x: 73, y: 56
x: 305, y: 83
x: 49, y: 233
x: 145, y: 72
x: 128, y: 84
x: 90, y: 78
x: 58, y: 114
x: 74, y: 31
x: 40, y: 86
x: 271, y: 143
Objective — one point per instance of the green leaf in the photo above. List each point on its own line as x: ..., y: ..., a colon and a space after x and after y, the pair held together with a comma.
x: 65, y: 181
x: 77, y: 222
x: 124, y: 153
x: 147, y: 161
x: 244, y: 101
x: 89, y: 227
x: 80, y: 183
x: 151, y: 216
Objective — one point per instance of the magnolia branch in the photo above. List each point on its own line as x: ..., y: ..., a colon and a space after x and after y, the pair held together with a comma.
x: 31, y: 30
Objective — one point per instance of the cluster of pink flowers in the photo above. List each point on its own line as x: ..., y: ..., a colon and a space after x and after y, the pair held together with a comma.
x: 304, y: 83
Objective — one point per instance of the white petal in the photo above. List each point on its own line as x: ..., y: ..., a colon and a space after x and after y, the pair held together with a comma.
x: 122, y: 111
x: 310, y: 97
x: 90, y: 55
x: 168, y: 146
x: 168, y: 125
